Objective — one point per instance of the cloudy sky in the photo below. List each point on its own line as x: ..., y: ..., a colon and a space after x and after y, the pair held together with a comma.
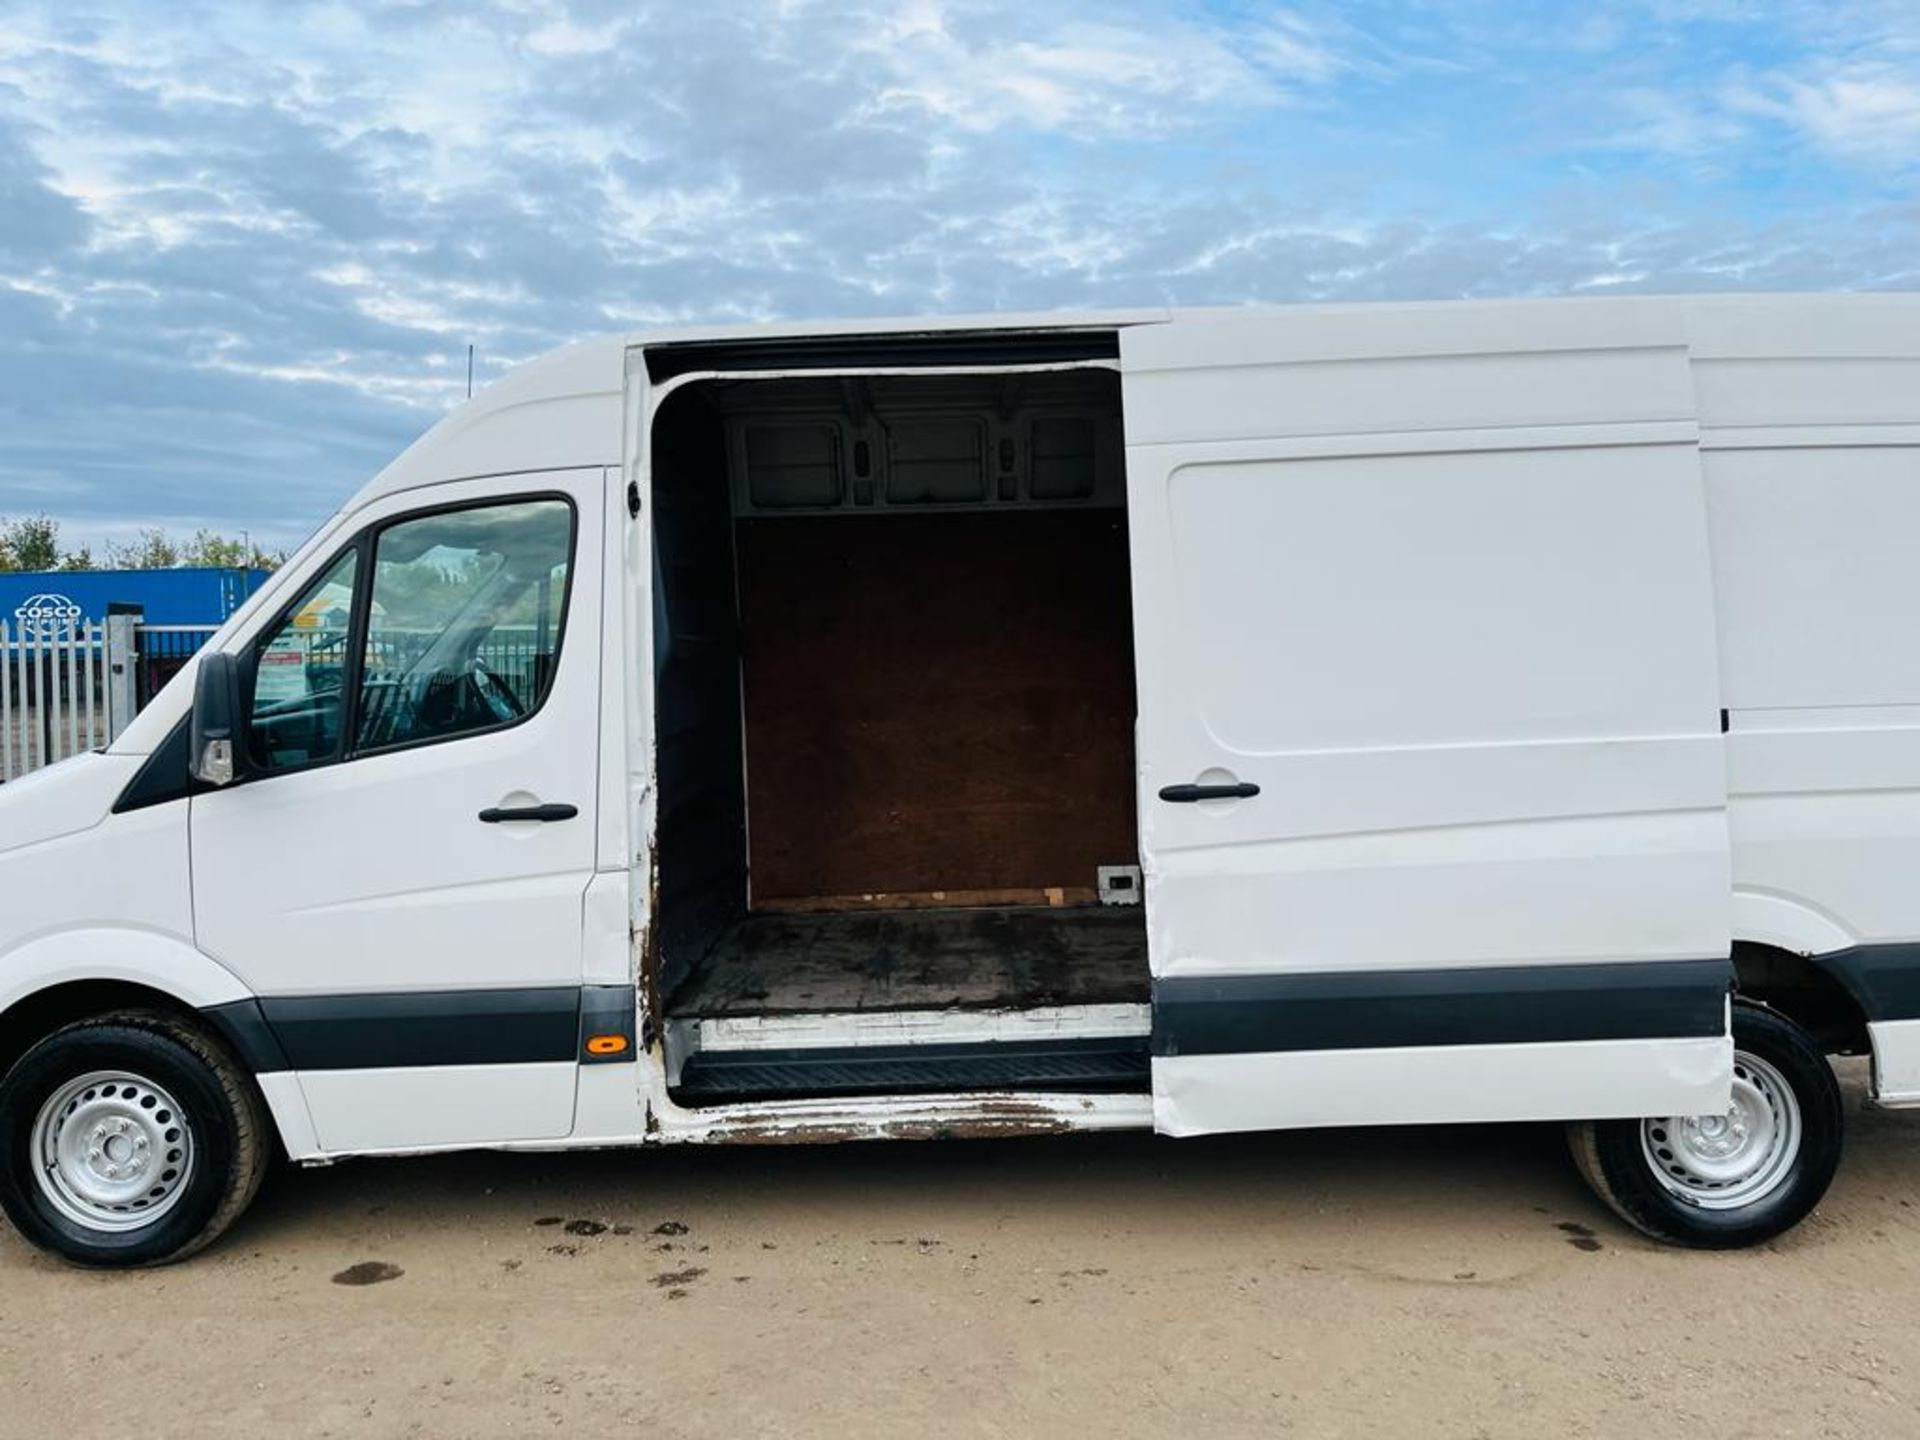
x: 243, y: 248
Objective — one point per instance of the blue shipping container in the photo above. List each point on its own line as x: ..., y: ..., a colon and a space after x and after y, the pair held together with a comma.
x: 194, y: 596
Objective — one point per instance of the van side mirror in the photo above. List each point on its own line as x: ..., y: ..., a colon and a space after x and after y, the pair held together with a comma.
x: 218, y: 756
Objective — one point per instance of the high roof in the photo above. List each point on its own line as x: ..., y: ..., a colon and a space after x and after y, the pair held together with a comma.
x: 906, y: 325
x: 563, y: 410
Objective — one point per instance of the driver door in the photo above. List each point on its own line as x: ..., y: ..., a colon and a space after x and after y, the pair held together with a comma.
x: 417, y: 955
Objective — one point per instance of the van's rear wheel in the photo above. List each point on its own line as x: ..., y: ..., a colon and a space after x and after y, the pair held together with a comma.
x: 132, y: 1139
x: 1721, y: 1181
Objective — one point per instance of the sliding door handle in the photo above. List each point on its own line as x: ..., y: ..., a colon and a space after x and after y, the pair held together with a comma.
x: 494, y: 814
x: 1187, y: 794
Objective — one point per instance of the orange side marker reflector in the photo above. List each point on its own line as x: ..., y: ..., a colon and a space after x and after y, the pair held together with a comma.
x: 606, y: 1044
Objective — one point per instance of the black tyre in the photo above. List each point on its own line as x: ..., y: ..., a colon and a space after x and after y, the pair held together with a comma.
x: 130, y: 1139
x: 1723, y: 1181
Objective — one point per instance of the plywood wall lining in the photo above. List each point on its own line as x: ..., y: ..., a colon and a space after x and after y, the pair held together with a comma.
x: 936, y: 703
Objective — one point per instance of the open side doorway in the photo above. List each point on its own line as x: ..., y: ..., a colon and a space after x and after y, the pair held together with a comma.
x: 895, y: 704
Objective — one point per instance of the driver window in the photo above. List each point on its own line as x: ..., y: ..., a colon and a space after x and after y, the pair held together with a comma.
x: 299, y: 674
x: 463, y: 621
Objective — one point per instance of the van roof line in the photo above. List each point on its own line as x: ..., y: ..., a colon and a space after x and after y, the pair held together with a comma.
x: 561, y: 410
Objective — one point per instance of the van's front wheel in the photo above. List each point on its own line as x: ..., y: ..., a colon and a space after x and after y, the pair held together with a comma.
x: 132, y: 1139
x: 1721, y: 1181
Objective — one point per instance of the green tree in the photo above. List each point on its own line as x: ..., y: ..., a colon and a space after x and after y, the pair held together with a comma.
x: 156, y: 550
x: 32, y: 543
x: 215, y: 551
x: 152, y: 551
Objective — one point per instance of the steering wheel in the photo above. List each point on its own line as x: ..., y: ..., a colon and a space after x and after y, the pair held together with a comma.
x: 494, y: 692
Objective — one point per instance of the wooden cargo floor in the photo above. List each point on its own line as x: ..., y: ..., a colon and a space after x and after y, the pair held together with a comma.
x: 999, y: 958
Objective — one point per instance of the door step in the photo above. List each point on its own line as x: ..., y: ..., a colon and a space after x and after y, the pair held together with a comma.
x: 1065, y: 1063
x: 904, y: 1029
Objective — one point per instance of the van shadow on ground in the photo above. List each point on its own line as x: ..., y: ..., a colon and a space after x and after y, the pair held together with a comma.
x: 1485, y: 1177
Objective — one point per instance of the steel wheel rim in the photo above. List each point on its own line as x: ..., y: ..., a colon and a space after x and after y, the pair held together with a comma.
x: 1724, y: 1162
x: 112, y: 1151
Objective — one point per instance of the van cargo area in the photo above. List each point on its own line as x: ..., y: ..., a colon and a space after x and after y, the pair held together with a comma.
x: 895, y: 699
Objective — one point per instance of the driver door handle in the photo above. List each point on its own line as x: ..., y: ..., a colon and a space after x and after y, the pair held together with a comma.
x: 1188, y: 794
x: 494, y: 814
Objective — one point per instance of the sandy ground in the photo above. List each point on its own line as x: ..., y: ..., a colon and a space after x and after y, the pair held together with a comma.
x: 1411, y: 1282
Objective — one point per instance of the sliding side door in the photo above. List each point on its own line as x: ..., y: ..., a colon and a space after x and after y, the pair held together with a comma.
x: 1432, y: 789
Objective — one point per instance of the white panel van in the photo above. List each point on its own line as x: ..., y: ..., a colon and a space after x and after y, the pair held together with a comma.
x: 1196, y: 721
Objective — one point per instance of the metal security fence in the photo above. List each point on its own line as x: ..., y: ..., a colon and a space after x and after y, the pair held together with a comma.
x: 53, y: 694
x: 73, y: 686
x: 160, y: 652
x: 63, y: 691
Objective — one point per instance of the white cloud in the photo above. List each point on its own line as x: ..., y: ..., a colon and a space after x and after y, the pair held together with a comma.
x: 1672, y: 124
x: 243, y: 248
x: 562, y: 37
x: 1865, y: 112
x: 1087, y: 74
